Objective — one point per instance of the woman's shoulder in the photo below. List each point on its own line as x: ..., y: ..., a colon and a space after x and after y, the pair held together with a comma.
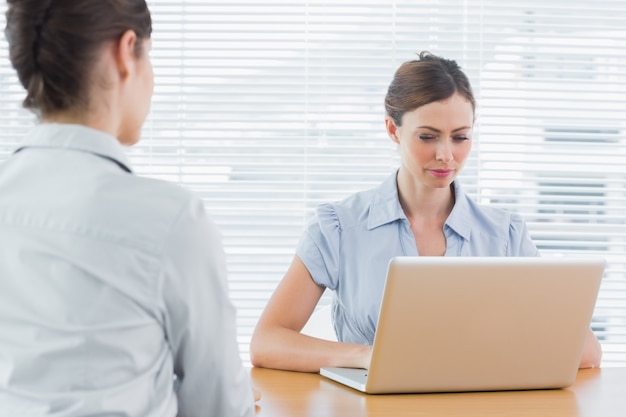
x: 149, y: 208
x: 349, y: 211
x: 491, y: 218
x: 493, y: 230
x: 155, y: 194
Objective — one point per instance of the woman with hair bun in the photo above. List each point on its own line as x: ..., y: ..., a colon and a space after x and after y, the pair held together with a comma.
x: 113, y: 290
x: 419, y: 210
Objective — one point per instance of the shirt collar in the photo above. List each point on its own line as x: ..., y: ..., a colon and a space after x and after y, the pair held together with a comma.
x: 459, y: 219
x: 76, y: 137
x: 385, y: 208
x: 385, y: 205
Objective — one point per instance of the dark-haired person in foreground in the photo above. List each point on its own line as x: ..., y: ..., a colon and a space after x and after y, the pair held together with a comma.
x: 113, y: 291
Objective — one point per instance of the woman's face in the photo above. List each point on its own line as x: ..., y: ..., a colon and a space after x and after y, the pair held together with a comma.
x: 434, y: 140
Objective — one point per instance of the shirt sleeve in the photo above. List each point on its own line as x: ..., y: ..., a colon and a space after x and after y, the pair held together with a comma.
x: 520, y: 243
x: 318, y: 247
x: 200, y: 321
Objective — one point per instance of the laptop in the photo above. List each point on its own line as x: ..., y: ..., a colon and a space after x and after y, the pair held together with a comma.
x: 459, y: 324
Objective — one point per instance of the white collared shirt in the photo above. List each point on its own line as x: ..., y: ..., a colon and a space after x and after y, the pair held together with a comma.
x: 110, y: 284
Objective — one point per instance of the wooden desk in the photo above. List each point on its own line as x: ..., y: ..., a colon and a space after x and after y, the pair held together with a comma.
x: 596, y: 393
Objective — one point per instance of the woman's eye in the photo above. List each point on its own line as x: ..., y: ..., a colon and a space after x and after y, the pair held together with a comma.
x: 427, y: 137
x: 461, y: 138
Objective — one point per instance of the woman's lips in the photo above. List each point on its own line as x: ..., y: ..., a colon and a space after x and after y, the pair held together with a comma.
x: 441, y: 173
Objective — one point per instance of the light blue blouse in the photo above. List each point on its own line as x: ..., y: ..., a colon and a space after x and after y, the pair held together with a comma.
x: 348, y: 245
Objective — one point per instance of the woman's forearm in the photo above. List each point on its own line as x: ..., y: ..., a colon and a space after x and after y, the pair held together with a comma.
x: 281, y: 348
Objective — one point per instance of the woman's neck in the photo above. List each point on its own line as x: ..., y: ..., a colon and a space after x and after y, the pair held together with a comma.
x: 84, y: 118
x: 420, y: 201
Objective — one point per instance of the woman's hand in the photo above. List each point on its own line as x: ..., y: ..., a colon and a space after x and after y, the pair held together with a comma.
x: 592, y: 352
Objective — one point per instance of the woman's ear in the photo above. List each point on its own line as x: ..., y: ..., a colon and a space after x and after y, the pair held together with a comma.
x: 125, y: 54
x: 392, y: 129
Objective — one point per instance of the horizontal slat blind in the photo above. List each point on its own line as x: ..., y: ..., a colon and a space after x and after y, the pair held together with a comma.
x: 552, y: 135
x: 267, y: 108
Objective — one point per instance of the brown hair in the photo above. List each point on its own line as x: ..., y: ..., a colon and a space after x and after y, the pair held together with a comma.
x: 53, y: 44
x: 425, y: 80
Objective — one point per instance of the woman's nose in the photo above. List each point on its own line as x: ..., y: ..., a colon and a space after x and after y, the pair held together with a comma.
x: 444, y: 152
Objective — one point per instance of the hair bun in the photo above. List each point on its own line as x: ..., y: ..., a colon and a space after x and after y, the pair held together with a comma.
x: 25, y: 22
x: 52, y: 44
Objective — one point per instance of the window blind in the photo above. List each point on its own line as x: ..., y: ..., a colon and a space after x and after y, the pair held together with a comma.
x: 268, y: 108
